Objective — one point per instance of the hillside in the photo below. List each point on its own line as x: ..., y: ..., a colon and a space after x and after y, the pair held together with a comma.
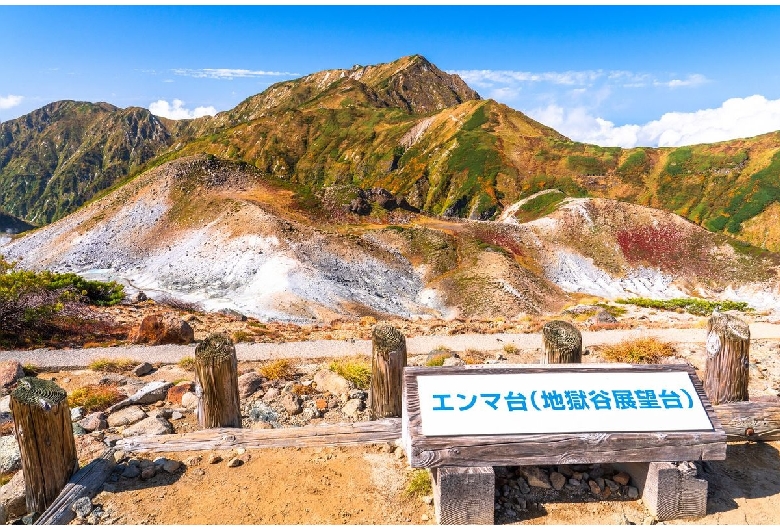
x: 12, y: 225
x: 404, y: 126
x: 225, y: 235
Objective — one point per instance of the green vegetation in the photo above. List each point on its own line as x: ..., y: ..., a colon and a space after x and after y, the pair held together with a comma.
x: 539, y: 206
x: 116, y: 366
x: 419, y: 484
x: 638, y: 351
x: 356, y: 371
x: 187, y: 363
x: 437, y: 360
x: 36, y: 305
x: 636, y: 165
x: 613, y: 310
x: 695, y: 306
x: 280, y: 369
x: 94, y: 398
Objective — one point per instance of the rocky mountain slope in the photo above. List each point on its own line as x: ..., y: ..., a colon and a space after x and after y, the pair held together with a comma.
x: 226, y: 235
x: 405, y: 126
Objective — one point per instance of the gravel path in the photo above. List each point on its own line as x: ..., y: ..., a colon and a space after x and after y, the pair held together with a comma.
x: 79, y: 358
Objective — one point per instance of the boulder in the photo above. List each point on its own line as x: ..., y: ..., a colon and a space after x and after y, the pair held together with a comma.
x: 94, y: 422
x: 143, y: 369
x: 189, y: 400
x: 12, y: 496
x: 604, y: 317
x: 162, y: 329
x: 10, y: 457
x: 153, y: 426
x: 10, y: 372
x: 248, y: 384
x: 146, y: 395
x: 328, y: 381
x: 292, y: 404
x: 352, y: 408
x: 126, y: 416
x: 536, y: 477
x: 175, y: 393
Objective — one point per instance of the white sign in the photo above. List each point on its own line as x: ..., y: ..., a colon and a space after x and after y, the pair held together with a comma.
x: 559, y: 402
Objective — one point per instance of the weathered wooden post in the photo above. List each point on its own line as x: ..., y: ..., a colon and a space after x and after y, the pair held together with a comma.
x: 216, y: 382
x: 562, y: 343
x: 726, y: 372
x: 387, y: 372
x: 45, y: 435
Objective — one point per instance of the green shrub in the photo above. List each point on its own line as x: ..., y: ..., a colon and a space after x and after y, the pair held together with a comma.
x: 187, y: 363
x: 419, y: 484
x: 695, y: 306
x: 356, y: 371
x: 95, y: 397
x: 116, y: 366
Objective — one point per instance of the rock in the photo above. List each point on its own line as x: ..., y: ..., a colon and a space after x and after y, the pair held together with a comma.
x: 352, y: 408
x: 76, y: 413
x: 235, y: 462
x: 611, y: 484
x: 271, y: 394
x: 523, y: 486
x: 193, y: 460
x: 171, y: 466
x: 141, y: 297
x: 632, y: 493
x: 12, y: 496
x: 82, y: 506
x: 622, y: 478
x: 248, y: 384
x: 131, y: 472
x: 328, y: 381
x: 176, y: 392
x: 424, y: 517
x: 3, y: 515
x: 189, y: 401
x: 594, y: 487
x: 148, y: 394
x: 143, y: 369
x: 428, y: 499
x: 399, y: 452
x: 176, y: 415
x: 536, y: 477
x: 126, y: 416
x: 261, y: 425
x: 162, y: 329
x: 291, y: 403
x: 565, y: 470
x: 154, y: 426
x: 574, y: 482
x: 454, y: 361
x: 240, y: 450
x: 214, y: 459
x: 321, y: 404
x: 30, y: 518
x: 148, y: 472
x: 10, y: 457
x: 5, y: 404
x: 557, y: 480
x: 604, y: 317
x: 233, y: 314
x: 10, y: 372
x: 94, y: 422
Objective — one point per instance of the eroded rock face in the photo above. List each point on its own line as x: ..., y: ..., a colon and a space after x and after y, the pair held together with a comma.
x: 162, y: 329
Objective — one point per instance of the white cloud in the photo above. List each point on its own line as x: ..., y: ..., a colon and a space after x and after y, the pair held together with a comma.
x: 735, y: 118
x: 228, y: 73
x: 691, y: 81
x: 9, y: 101
x: 177, y: 111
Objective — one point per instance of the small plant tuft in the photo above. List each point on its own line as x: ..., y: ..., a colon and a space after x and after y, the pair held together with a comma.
x: 511, y: 349
x: 279, y: 369
x: 419, y: 484
x: 437, y: 360
x: 31, y: 370
x: 638, y: 351
x: 187, y: 363
x: 356, y: 371
x: 242, y: 336
x: 116, y: 366
x: 95, y: 397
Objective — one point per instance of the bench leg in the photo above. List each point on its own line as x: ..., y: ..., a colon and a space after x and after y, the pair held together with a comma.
x: 464, y: 495
x: 669, y: 491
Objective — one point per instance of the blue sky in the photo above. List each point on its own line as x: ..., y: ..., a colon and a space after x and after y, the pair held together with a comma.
x: 613, y: 75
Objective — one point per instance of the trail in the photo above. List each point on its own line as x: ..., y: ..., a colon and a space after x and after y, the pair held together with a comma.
x: 317, y: 349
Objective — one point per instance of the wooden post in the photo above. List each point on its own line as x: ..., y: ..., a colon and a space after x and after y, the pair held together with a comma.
x: 43, y: 430
x: 216, y: 382
x: 562, y: 343
x: 726, y: 371
x: 387, y: 370
x: 464, y: 495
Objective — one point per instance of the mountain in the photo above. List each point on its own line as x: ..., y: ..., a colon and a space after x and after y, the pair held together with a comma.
x: 405, y: 127
x: 227, y: 235
x: 12, y: 225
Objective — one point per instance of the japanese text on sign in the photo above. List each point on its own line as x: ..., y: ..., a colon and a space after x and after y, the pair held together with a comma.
x: 559, y: 402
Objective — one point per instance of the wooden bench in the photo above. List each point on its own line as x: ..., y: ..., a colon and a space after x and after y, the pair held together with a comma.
x: 447, y: 427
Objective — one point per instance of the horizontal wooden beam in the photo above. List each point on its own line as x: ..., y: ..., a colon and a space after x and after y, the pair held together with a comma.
x: 86, y: 482
x: 750, y: 420
x: 384, y: 430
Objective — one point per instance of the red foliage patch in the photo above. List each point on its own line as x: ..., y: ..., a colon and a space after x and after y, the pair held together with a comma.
x: 663, y: 245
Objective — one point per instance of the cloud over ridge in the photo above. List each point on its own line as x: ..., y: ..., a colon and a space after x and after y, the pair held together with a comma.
x: 227, y: 73
x: 177, y: 111
x: 10, y: 101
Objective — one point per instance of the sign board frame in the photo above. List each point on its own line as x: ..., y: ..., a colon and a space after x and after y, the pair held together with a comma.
x: 475, y: 450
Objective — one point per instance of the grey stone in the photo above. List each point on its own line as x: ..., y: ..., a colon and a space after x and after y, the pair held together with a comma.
x: 149, y: 393
x: 523, y: 486
x: 248, y: 384
x: 126, y: 416
x: 632, y: 493
x: 10, y: 457
x: 131, y: 472
x: 565, y: 470
x: 12, y: 496
x: 328, y: 381
x: 5, y: 403
x: 143, y: 369
x: 352, y: 408
x: 76, y: 413
x: 94, y: 422
x: 536, y: 477
x: 235, y: 462
x: 214, y: 459
x: 78, y: 430
x: 454, y: 361
x: 82, y: 506
x: 148, y: 473
x: 171, y: 466
x: 153, y: 426
x: 30, y: 518
x: 605, y: 317
x: 557, y: 480
x: 291, y: 403
x: 3, y: 515
x: 176, y: 415
x: 189, y: 400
